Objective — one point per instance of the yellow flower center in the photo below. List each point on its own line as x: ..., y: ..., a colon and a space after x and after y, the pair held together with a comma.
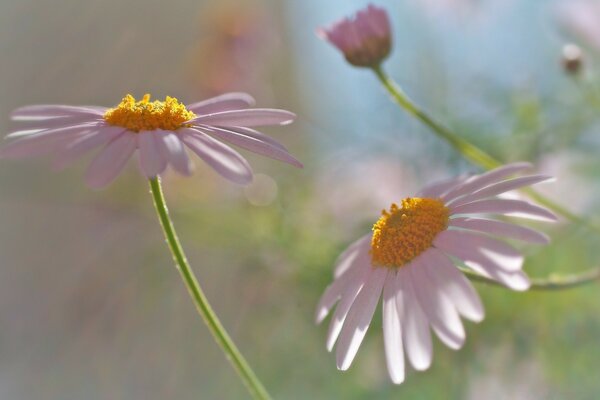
x: 146, y: 115
x: 404, y: 232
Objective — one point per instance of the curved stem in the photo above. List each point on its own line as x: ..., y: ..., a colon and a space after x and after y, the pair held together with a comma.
x: 553, y: 282
x: 469, y: 151
x: 486, y: 161
x: 232, y: 353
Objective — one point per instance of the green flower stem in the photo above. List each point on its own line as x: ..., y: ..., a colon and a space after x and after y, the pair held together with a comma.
x: 469, y: 151
x: 553, y: 282
x: 484, y: 160
x: 232, y: 353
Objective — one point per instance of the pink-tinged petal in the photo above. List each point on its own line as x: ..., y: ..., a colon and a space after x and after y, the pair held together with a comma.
x: 251, y: 117
x: 64, y: 130
x: 77, y: 148
x: 223, y: 159
x: 499, y: 228
x: 224, y: 102
x: 359, y: 318
x: 343, y: 307
x: 502, y: 187
x: 110, y: 162
x: 252, y: 144
x: 152, y: 160
x: 454, y: 284
x: 481, y: 249
x: 256, y: 135
x: 39, y: 112
x: 392, y: 330
x: 437, y: 189
x: 477, y: 261
x: 480, y: 181
x: 515, y: 208
x: 415, y: 326
x: 42, y: 142
x: 438, y: 308
x: 346, y: 260
x: 341, y: 285
x: 59, y: 122
x: 172, y: 149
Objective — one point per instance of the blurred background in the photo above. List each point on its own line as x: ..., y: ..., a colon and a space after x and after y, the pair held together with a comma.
x: 90, y: 304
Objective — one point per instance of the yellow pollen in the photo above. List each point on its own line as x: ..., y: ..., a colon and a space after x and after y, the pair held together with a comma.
x: 404, y: 232
x: 146, y: 115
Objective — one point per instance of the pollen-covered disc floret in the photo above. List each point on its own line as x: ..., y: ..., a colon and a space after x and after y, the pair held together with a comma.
x: 404, y: 232
x: 146, y: 115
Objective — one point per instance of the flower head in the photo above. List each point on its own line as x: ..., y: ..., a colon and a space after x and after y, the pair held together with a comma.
x: 410, y: 256
x: 159, y: 130
x: 364, y: 39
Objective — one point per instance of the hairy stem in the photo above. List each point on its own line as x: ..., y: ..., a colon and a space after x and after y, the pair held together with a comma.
x: 208, y: 315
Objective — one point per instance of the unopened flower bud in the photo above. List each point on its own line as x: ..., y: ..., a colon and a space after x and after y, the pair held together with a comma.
x: 572, y: 58
x: 364, y: 39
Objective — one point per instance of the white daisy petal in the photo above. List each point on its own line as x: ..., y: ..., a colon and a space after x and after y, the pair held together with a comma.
x: 480, y: 249
x: 41, y: 112
x: 359, y: 318
x: 440, y: 311
x: 502, y: 187
x: 480, y: 181
x: 343, y: 307
x: 415, y: 334
x: 110, y: 162
x: 453, y: 283
x: 515, y: 208
x: 77, y: 148
x: 224, y: 102
x: 392, y: 331
x: 152, y: 160
x: 437, y: 189
x: 250, y: 117
x: 500, y: 228
x: 346, y: 259
x: 173, y: 151
x: 223, y: 159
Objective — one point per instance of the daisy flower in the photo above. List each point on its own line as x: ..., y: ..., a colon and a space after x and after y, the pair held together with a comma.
x: 365, y: 39
x: 411, y: 257
x: 159, y: 130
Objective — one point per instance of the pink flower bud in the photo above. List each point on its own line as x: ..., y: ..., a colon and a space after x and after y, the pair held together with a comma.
x: 364, y: 39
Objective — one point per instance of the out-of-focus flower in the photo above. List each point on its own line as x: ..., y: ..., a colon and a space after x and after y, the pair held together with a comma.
x: 365, y: 39
x: 581, y: 18
x: 410, y: 257
x: 572, y: 58
x: 158, y: 130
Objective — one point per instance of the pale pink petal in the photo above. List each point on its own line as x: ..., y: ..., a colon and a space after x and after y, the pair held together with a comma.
x: 516, y: 208
x: 77, y: 148
x: 39, y: 112
x: 251, y: 117
x: 223, y: 159
x: 252, y: 144
x: 152, y: 159
x: 454, y: 284
x: 345, y: 260
x: 42, y: 142
x: 341, y: 285
x: 392, y: 330
x: 501, y: 187
x: 343, y: 307
x: 173, y: 150
x: 224, y: 102
x: 415, y: 326
x: 482, y: 249
x: 256, y: 135
x: 359, y: 318
x: 438, y: 308
x: 480, y: 181
x: 110, y: 162
x: 437, y: 189
x: 499, y: 228
x: 54, y: 123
